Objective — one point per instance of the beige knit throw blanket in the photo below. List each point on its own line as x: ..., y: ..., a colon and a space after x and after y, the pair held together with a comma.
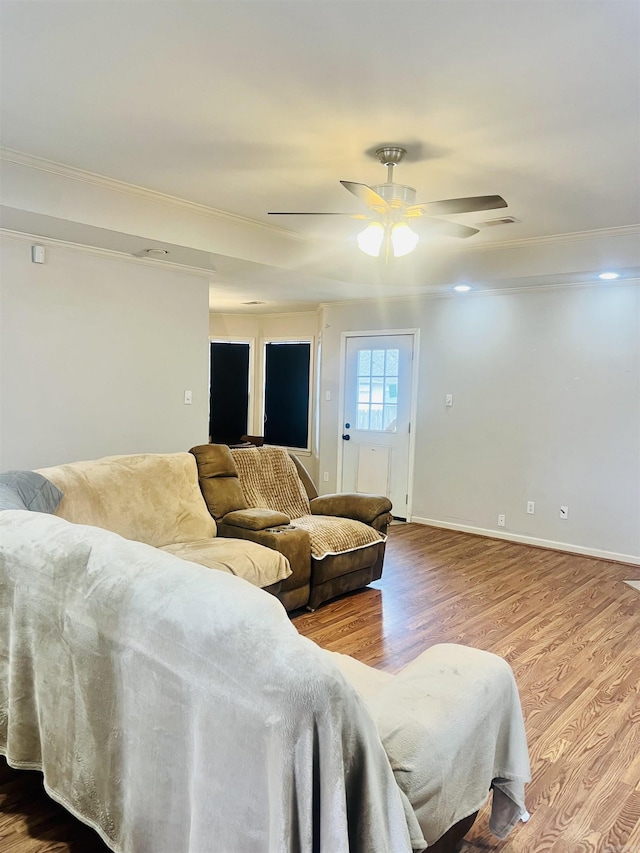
x: 269, y: 479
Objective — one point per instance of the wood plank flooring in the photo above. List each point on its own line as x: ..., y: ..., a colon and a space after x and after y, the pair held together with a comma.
x: 569, y: 627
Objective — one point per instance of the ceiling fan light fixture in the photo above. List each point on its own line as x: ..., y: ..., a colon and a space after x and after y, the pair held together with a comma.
x: 403, y: 239
x: 370, y: 240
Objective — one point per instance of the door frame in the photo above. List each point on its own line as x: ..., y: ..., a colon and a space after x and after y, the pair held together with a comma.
x: 377, y: 333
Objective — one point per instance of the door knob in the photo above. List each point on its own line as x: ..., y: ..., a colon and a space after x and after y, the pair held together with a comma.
x: 346, y: 438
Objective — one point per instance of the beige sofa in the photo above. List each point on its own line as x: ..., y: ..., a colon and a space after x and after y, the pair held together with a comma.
x: 155, y: 498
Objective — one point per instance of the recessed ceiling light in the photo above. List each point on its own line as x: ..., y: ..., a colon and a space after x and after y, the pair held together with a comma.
x: 609, y: 276
x: 462, y: 288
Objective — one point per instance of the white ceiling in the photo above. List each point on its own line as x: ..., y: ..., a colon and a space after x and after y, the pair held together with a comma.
x: 246, y: 107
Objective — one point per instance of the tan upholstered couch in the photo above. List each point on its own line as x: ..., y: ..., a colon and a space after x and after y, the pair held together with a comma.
x: 155, y: 498
x: 259, y: 494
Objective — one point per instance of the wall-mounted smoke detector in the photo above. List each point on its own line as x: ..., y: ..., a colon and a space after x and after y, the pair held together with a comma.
x: 501, y: 220
x: 254, y: 303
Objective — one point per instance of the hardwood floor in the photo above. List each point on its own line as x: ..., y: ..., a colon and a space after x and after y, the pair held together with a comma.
x: 569, y: 627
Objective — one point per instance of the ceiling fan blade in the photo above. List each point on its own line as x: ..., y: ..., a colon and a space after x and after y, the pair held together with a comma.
x: 449, y: 206
x: 448, y: 229
x: 367, y: 195
x: 315, y: 213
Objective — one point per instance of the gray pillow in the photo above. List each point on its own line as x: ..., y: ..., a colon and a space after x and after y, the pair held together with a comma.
x: 28, y: 490
x: 10, y: 499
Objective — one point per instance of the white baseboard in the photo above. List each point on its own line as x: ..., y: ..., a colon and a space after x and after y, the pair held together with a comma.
x: 531, y: 540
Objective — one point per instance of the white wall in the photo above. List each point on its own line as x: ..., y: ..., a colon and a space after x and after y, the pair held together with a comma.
x: 95, y: 355
x: 546, y: 387
x: 262, y: 327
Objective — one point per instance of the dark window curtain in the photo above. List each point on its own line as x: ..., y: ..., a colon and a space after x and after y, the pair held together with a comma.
x: 286, y: 394
x: 229, y: 392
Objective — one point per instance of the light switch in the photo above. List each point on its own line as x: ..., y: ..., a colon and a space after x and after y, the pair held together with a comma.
x: 448, y: 400
x: 187, y: 398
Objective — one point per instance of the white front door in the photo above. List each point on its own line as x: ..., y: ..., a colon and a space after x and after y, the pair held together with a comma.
x: 377, y: 410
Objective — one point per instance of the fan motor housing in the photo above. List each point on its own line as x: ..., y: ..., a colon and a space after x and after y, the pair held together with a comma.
x: 396, y: 195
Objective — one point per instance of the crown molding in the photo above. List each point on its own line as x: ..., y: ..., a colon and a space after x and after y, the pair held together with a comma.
x: 446, y: 292
x: 314, y: 312
x: 556, y: 239
x: 112, y: 254
x: 154, y: 196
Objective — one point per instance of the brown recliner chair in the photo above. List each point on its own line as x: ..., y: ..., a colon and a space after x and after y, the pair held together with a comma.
x: 334, y: 543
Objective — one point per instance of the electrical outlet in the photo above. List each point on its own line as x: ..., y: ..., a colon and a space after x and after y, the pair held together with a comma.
x: 531, y: 507
x: 502, y: 520
x: 564, y: 512
x: 325, y: 476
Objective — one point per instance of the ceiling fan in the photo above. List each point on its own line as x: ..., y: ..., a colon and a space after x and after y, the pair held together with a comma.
x: 392, y: 207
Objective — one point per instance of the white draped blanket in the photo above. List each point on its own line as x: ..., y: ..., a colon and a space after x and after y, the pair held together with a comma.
x: 176, y: 709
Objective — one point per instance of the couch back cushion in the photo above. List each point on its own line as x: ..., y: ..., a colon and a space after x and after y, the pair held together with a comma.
x: 151, y: 497
x: 219, y: 479
x: 269, y: 479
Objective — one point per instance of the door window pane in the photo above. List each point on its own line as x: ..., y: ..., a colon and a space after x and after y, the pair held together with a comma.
x: 364, y: 390
x: 392, y: 362
x: 364, y: 362
x: 377, y: 389
x: 390, y: 413
x: 391, y: 390
x: 363, y: 417
x: 377, y: 362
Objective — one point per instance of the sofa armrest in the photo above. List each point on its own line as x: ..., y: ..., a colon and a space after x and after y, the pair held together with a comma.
x: 365, y: 508
x: 294, y: 544
x: 255, y: 518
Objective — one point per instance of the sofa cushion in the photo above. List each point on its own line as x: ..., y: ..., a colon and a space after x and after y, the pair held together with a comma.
x: 222, y: 495
x: 28, y: 490
x: 214, y: 460
x: 332, y: 535
x: 152, y: 497
x: 218, y: 479
x: 259, y: 565
x: 256, y: 518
